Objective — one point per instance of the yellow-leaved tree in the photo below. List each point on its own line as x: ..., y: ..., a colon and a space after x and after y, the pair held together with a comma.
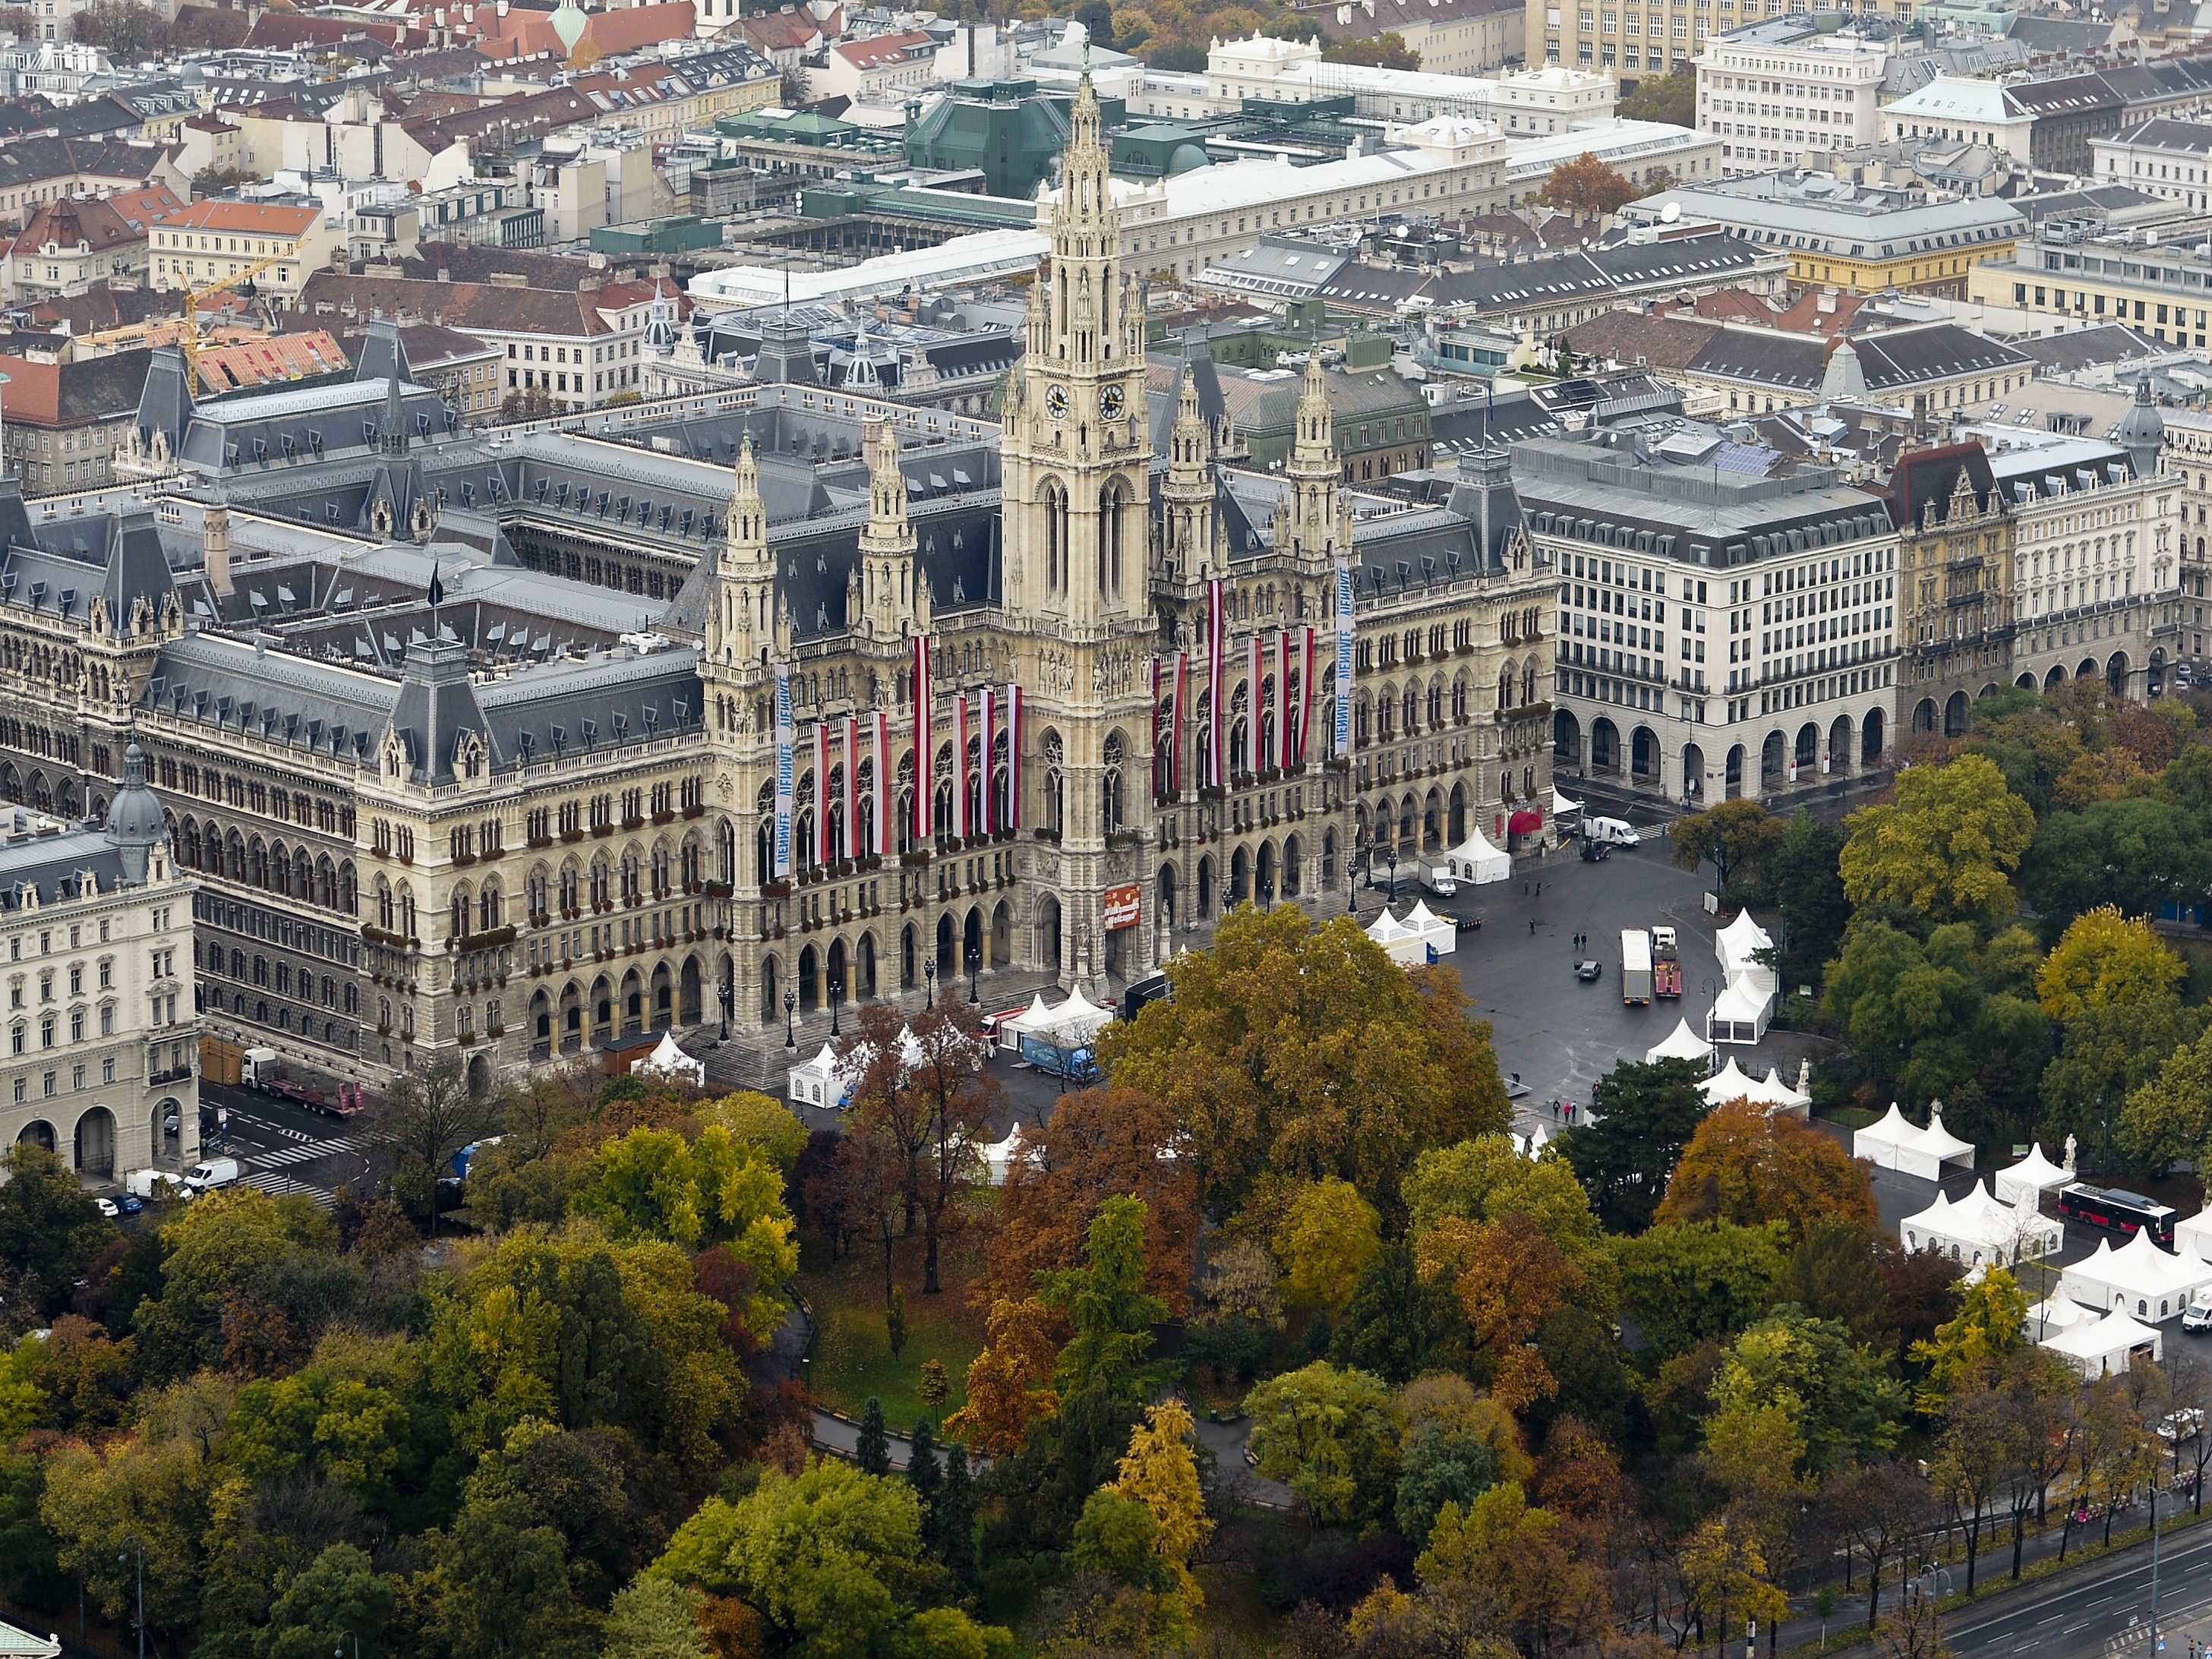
x: 1160, y: 1471
x: 1945, y: 847
x: 2102, y: 960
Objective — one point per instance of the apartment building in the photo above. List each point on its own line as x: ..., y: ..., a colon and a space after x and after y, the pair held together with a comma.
x: 1452, y: 37
x: 2158, y: 280
x: 96, y: 952
x: 73, y: 244
x: 1653, y: 38
x: 215, y: 240
x: 1783, y: 88
x: 64, y: 419
x: 2171, y: 160
x: 1728, y: 620
x: 1960, y: 111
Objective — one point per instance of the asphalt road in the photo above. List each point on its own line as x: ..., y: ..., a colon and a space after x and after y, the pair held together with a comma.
x: 2083, y: 1613
x: 283, y: 1147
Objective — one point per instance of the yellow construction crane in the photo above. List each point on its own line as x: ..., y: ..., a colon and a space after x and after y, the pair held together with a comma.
x: 188, y: 335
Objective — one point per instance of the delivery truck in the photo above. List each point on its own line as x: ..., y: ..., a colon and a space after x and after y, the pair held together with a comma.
x: 1666, y: 963
x: 1635, y: 966
x: 1057, y: 1058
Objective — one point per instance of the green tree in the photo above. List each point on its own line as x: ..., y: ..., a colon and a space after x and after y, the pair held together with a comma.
x: 1387, y: 51
x: 1840, y: 1396
x: 234, y: 1266
x: 1329, y: 1236
x: 1646, y: 1113
x: 1160, y: 1472
x: 654, y: 1619
x: 2135, y: 853
x: 1699, y: 1282
x: 873, y: 1453
x: 159, y: 1492
x: 1106, y: 1306
x: 499, y: 1587
x: 831, y: 1562
x: 1834, y: 1274
x: 1737, y: 837
x: 1329, y: 1435
x: 1806, y: 878
x: 1670, y: 100
x: 760, y: 1123
x: 1439, y: 1463
x: 935, y: 1387
x: 1303, y: 1051
x: 1486, y: 1180
x: 50, y: 1230
x: 337, y: 1597
x: 2169, y: 1119
x: 2098, y: 1087
x: 2105, y: 957
x: 1926, y: 1019
x: 1119, y: 1537
x: 1398, y: 1324
x: 1945, y: 847
x: 429, y: 1115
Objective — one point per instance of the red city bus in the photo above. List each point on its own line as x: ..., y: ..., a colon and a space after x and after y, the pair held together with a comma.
x: 2117, y: 1210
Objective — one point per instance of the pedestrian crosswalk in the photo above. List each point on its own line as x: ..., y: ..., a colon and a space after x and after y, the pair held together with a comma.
x: 304, y: 1153
x: 279, y: 1185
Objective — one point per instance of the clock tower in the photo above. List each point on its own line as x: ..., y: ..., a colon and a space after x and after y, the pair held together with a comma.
x: 1075, y: 453
x: 1075, y: 445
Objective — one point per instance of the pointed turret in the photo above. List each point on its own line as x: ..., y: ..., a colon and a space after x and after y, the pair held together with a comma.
x: 738, y: 622
x: 391, y: 433
x: 887, y: 543
x: 1187, y: 493
x: 1307, y: 518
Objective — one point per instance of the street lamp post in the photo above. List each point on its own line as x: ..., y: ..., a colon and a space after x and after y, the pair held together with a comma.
x: 345, y: 1636
x: 837, y: 996
x: 975, y: 968
x: 929, y: 978
x: 139, y: 1545
x: 790, y: 1005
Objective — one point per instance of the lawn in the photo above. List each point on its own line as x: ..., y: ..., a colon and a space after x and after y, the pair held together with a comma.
x: 851, y: 1359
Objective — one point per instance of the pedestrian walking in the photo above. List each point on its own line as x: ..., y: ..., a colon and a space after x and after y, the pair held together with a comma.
x: 1524, y: 889
x: 1539, y: 890
x: 1532, y: 927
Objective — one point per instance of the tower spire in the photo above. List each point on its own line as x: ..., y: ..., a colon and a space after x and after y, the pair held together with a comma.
x: 888, y: 600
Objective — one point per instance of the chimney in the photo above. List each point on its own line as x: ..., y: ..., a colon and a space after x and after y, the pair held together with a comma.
x: 214, y: 531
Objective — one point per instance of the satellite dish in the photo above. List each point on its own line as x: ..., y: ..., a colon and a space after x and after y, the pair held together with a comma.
x: 1670, y: 213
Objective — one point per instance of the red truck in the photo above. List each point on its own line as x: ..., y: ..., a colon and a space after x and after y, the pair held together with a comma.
x: 1666, y: 963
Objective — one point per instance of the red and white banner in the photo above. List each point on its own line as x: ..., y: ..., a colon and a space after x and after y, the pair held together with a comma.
x: 1174, y: 716
x: 925, y: 748
x: 1255, y: 703
x: 1306, y: 697
x: 881, y: 722
x: 852, y: 848
x: 960, y: 767
x: 1159, y: 770
x: 1217, y: 679
x: 823, y: 853
x: 1284, y: 732
x: 990, y: 770
x: 1013, y: 757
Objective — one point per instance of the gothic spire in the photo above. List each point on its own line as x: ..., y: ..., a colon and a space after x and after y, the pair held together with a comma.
x: 748, y: 515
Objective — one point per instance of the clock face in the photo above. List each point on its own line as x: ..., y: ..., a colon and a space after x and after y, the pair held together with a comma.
x: 1111, y: 402
x: 1055, y: 402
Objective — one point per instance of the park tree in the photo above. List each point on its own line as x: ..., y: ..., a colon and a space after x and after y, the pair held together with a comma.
x: 1945, y: 847
x: 760, y: 1123
x: 923, y: 1095
x: 2168, y: 1119
x: 1806, y: 879
x: 654, y: 1619
x: 1108, y: 1311
x: 1009, y: 1382
x: 1510, y: 1278
x: 1670, y: 100
x: 1159, y: 1472
x: 2135, y: 854
x: 1644, y: 1112
x: 1518, y: 1573
x: 1098, y: 1143
x: 1738, y: 837
x: 1455, y: 1445
x: 1879, y: 1507
x: 1329, y: 1236
x: 1840, y: 1398
x: 1304, y: 1052
x: 1698, y: 1282
x: 1386, y: 51
x: 2102, y: 958
x: 1588, y: 185
x: 50, y: 1230
x: 1835, y: 1273
x: 1989, y: 1325
x: 1486, y: 1180
x: 1747, y: 1165
x: 1724, y: 1572
x: 430, y: 1113
x: 2109, y: 1056
x: 1326, y: 1434
x: 121, y: 28
x: 1398, y: 1324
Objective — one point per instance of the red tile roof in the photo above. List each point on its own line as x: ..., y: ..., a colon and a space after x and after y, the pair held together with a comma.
x: 247, y: 218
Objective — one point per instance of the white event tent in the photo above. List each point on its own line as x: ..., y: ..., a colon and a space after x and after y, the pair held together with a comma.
x: 2138, y: 1279
x: 1681, y: 1043
x: 822, y: 1081
x: 1561, y: 805
x: 1035, y: 1019
x: 669, y: 1062
x: 1441, y: 934
x: 1747, y: 985
x: 1771, y: 1092
x: 1730, y: 1083
x: 1079, y: 1017
x: 1000, y: 1155
x: 2194, y: 1236
x: 2025, y: 1182
x: 2098, y: 1348
x: 1896, y: 1144
x: 1978, y: 1228
x: 1475, y: 862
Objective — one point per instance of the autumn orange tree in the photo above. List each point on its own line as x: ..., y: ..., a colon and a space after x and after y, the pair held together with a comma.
x: 1098, y: 1143
x: 1745, y: 1167
x: 1587, y: 184
x: 1510, y: 1278
x: 1304, y: 1052
x: 1009, y: 1382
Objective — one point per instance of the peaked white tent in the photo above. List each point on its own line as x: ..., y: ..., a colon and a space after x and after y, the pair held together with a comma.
x: 2056, y: 1313
x: 2194, y: 1236
x: 1681, y: 1043
x: 1771, y: 1092
x: 1475, y: 862
x: 1033, y: 1019
x: 2024, y: 1182
x: 999, y: 1156
x: 671, y: 1064
x: 1746, y: 1003
x: 1730, y: 1083
x: 1561, y: 805
x: 1080, y: 1018
x: 820, y: 1081
x: 1979, y: 1230
x: 1896, y: 1144
x: 1402, y: 944
x: 2138, y: 1279
x: 1439, y: 933
x: 2105, y: 1346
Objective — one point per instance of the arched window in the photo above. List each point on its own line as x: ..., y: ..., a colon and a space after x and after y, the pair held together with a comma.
x: 1055, y: 537
x: 1055, y: 784
x: 1109, y: 792
x: 460, y: 910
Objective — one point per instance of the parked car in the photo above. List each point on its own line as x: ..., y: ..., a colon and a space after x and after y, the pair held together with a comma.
x: 132, y: 1203
x: 106, y: 1207
x: 1588, y: 971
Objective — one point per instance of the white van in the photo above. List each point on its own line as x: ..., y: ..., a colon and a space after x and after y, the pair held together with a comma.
x: 211, y: 1173
x: 2197, y: 1315
x: 152, y: 1184
x: 1437, y: 878
x: 1612, y: 832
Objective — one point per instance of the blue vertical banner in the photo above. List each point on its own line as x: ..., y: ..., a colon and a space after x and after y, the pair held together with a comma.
x: 1343, y: 735
x: 783, y: 769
